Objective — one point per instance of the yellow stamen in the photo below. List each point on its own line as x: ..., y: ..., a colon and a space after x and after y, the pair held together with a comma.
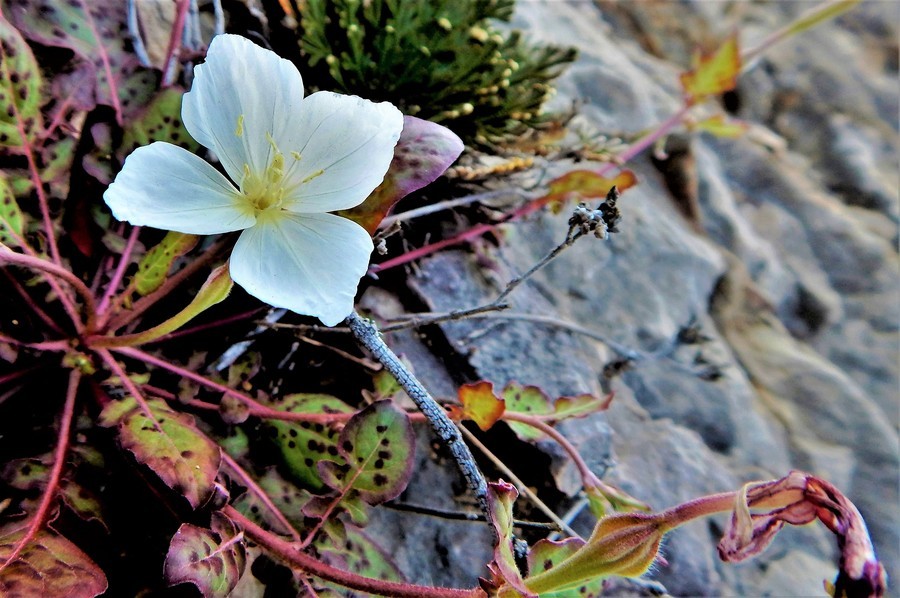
x: 240, y: 126
x: 312, y: 176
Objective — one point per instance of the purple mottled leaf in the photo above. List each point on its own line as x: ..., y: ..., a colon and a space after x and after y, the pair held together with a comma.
x: 212, y: 559
x: 106, y: 71
x: 424, y: 152
x: 49, y: 565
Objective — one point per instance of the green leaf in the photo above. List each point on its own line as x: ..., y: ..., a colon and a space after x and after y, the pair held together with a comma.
x: 287, y: 498
x: 377, y: 446
x: 480, y: 404
x: 50, y: 565
x: 155, y: 265
x: 722, y: 126
x: 349, y: 548
x: 304, y: 444
x: 425, y: 150
x: 32, y: 473
x: 20, y: 89
x: 159, y: 121
x: 546, y: 554
x: 531, y: 400
x: 211, y: 559
x: 167, y: 442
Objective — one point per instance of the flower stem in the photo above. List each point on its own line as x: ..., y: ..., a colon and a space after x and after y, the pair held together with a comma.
x: 367, y: 334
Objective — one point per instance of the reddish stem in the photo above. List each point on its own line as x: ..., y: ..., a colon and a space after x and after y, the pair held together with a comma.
x: 35, y: 263
x: 59, y: 458
x: 257, y: 409
x: 113, y: 285
x: 587, y: 476
x: 208, y: 325
x: 288, y: 552
x: 532, y: 206
x: 264, y: 498
x: 174, y: 41
x: 171, y: 283
x: 105, y: 59
x: 32, y: 304
x: 129, y: 385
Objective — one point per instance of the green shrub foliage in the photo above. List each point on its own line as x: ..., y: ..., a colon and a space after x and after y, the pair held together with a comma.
x: 442, y: 60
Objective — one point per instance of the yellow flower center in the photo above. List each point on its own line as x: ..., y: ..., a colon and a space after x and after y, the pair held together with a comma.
x: 265, y: 191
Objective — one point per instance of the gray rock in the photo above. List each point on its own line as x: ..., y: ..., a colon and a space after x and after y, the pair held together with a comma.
x: 791, y: 269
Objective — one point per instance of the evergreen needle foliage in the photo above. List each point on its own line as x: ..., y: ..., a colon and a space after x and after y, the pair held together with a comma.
x: 440, y: 60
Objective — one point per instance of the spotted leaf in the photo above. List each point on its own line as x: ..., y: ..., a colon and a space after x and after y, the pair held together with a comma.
x: 11, y: 218
x: 156, y: 263
x: 211, y: 559
x: 425, y: 150
x: 20, y: 89
x: 106, y: 71
x: 531, y: 400
x: 377, y: 447
x: 49, y: 565
x: 160, y: 120
x: 349, y: 548
x: 304, y: 444
x: 167, y: 442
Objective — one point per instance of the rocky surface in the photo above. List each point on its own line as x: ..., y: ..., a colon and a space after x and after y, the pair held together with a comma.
x: 787, y: 260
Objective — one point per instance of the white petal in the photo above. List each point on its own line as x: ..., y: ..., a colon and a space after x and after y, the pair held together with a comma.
x: 310, y: 264
x: 346, y: 144
x: 241, y: 82
x: 165, y: 186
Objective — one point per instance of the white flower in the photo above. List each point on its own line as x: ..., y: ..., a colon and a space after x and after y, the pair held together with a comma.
x: 292, y: 159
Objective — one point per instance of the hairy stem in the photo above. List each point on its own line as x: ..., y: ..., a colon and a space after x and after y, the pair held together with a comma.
x: 34, y: 263
x: 59, y: 459
x: 113, y: 285
x: 367, y: 335
x: 255, y: 489
x: 287, y: 552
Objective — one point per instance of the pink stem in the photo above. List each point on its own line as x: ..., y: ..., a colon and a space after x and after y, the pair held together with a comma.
x: 264, y: 498
x: 33, y: 305
x: 587, y: 476
x: 105, y: 59
x: 288, y: 552
x: 256, y: 408
x: 201, y: 327
x: 34, y: 263
x: 480, y: 229
x: 129, y: 385
x: 59, y: 459
x: 174, y: 41
x: 113, y: 285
